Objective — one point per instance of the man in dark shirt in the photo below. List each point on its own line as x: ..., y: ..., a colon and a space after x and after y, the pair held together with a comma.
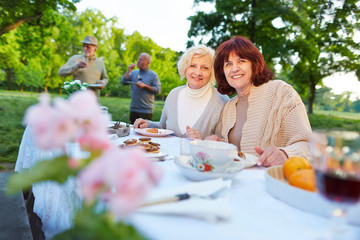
x: 145, y: 84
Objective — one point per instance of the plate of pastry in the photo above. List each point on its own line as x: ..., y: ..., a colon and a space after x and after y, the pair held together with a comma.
x: 152, y: 149
x: 153, y: 132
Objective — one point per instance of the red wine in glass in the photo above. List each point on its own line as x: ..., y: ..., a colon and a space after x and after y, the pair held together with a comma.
x: 338, y: 186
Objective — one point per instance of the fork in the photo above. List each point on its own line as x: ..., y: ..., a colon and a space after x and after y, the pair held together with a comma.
x: 185, y: 196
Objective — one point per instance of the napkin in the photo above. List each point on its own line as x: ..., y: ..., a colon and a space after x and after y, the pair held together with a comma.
x: 207, y: 209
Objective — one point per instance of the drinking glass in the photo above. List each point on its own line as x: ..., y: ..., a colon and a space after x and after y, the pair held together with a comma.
x: 336, y: 160
x: 185, y: 146
x: 85, y: 59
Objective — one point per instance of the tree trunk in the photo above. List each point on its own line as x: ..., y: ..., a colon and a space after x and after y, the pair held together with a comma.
x: 311, y: 94
x: 19, y: 22
x: 252, y: 21
x: 9, y: 78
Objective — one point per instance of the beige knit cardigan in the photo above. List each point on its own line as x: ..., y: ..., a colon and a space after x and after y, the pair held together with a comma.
x: 276, y: 116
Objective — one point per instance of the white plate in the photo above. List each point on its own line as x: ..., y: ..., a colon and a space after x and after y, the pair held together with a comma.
x: 183, y: 163
x: 162, y: 132
x: 157, y: 155
x: 95, y: 85
x: 250, y: 160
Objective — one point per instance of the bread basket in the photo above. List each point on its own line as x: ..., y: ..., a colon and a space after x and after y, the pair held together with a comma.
x: 120, y: 128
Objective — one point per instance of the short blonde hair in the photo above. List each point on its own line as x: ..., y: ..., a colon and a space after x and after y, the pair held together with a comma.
x: 185, y: 60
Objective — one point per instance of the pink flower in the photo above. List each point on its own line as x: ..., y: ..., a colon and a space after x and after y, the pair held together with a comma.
x: 91, y: 180
x: 126, y: 175
x: 78, y: 118
x: 94, y: 141
x: 121, y: 177
x: 87, y: 112
x: 202, y: 156
x: 52, y: 128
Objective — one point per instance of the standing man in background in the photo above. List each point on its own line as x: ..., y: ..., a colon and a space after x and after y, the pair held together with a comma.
x: 87, y: 67
x: 145, y: 84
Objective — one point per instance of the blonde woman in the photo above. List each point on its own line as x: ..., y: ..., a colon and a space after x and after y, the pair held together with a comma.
x: 196, y: 105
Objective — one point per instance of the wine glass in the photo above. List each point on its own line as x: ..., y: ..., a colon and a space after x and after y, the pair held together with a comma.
x: 336, y: 160
x: 85, y: 58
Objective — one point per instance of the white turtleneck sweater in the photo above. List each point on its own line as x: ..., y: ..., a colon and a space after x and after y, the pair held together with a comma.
x: 200, y: 109
x: 197, y: 99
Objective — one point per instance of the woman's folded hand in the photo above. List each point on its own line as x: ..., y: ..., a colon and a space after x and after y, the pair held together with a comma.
x: 193, y: 133
x: 214, y: 138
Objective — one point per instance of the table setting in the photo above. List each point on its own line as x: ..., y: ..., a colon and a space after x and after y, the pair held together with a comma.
x: 249, y: 202
x: 196, y: 189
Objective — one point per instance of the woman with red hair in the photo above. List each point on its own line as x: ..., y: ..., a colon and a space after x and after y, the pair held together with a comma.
x: 266, y: 117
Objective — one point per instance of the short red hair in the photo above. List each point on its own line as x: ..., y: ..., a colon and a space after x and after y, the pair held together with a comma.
x: 245, y: 49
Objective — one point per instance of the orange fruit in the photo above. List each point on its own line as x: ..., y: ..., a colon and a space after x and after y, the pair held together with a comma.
x: 304, y: 179
x: 294, y: 164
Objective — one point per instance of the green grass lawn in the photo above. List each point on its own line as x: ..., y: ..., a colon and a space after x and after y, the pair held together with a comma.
x: 346, y: 115
x: 14, y: 104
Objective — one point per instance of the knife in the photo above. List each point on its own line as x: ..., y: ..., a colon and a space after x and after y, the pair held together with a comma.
x: 185, y: 196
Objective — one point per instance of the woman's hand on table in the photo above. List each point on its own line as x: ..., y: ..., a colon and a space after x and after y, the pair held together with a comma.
x: 141, y: 123
x: 271, y: 156
x: 193, y: 133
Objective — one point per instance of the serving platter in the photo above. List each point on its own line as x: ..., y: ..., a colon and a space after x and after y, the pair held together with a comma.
x: 311, y: 202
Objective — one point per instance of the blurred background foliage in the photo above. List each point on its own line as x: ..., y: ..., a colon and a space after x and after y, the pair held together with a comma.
x: 303, y: 42
x: 32, y: 53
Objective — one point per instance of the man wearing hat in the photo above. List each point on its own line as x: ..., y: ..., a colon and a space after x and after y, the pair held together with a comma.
x: 86, y: 67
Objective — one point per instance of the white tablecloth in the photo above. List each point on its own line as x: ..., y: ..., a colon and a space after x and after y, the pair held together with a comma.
x: 256, y: 214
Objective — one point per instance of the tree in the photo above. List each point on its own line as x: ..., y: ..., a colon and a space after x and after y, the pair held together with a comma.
x: 15, y: 13
x: 9, y: 58
x: 356, y: 106
x: 30, y: 56
x: 324, y: 43
x: 315, y: 38
x: 250, y: 18
x: 31, y: 75
x: 323, y: 98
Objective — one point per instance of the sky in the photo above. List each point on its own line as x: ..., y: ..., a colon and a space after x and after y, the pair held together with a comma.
x: 165, y: 22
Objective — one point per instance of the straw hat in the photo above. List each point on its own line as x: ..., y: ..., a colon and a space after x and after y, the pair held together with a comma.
x: 90, y: 40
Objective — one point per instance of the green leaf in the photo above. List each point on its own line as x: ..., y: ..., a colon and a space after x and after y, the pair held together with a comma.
x: 55, y: 170
x: 92, y: 225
